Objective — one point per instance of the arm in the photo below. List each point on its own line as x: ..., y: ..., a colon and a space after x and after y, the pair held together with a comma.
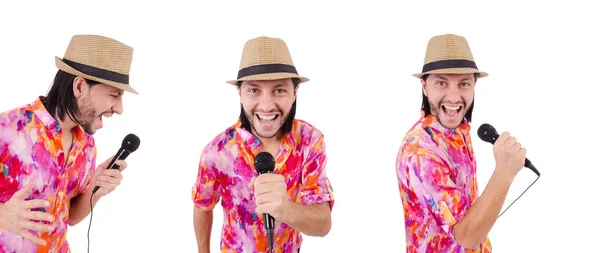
x: 203, y: 225
x: 480, y: 218
x: 312, y: 214
x: 312, y: 220
x: 206, y: 193
x: 107, y: 179
x: 80, y: 207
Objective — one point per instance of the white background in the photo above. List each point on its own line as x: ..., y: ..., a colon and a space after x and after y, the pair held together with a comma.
x: 543, y: 88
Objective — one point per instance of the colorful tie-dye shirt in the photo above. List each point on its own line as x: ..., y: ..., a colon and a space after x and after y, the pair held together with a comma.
x: 436, y: 172
x: 227, y: 168
x: 31, y: 151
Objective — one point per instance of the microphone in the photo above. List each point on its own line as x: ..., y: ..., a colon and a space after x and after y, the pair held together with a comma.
x: 488, y: 133
x: 130, y: 144
x: 265, y: 163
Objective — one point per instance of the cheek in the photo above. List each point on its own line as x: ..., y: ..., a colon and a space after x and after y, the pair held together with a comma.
x: 247, y: 103
x: 285, y: 104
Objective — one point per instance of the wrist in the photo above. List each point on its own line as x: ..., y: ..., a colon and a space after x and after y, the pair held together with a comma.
x: 288, y: 215
x: 504, y: 174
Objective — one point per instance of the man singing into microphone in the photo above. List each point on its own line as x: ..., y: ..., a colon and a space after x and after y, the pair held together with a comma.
x: 436, y: 167
x: 298, y: 193
x: 47, y: 152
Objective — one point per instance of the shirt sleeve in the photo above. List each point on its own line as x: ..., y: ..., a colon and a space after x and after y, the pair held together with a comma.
x: 206, y: 192
x: 433, y: 187
x: 316, y: 188
x: 87, y: 168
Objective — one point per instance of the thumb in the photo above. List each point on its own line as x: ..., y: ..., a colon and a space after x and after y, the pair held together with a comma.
x: 23, y: 192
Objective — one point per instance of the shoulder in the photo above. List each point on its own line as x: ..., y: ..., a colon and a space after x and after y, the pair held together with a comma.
x: 306, y: 130
x: 416, y: 142
x: 222, y: 139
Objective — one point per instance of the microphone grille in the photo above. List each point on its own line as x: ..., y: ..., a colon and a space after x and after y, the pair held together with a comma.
x: 264, y: 162
x: 487, y: 133
x: 131, y: 142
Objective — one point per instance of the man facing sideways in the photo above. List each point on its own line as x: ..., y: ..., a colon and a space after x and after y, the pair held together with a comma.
x: 48, y: 154
x: 436, y: 166
x: 297, y: 194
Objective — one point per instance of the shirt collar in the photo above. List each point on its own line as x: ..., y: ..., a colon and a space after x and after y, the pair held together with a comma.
x: 253, y: 142
x: 51, y: 123
x: 431, y: 121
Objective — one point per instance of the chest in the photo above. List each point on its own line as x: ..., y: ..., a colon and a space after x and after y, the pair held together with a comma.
x: 459, y: 160
x: 32, y: 156
x: 236, y: 172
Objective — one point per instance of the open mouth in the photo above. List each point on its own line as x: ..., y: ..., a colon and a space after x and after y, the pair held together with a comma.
x: 452, y: 111
x: 267, y: 118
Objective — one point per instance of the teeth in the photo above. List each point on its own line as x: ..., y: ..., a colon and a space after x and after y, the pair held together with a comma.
x: 266, y: 117
x: 452, y: 107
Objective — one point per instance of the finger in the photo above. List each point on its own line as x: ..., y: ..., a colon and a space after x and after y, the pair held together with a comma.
x: 36, y: 203
x: 503, y: 137
x: 111, y: 173
x: 510, y: 141
x: 515, y: 147
x: 38, y: 216
x: 40, y: 227
x: 29, y: 237
x: 122, y: 164
x: 265, y: 208
x: 251, y: 185
x: 23, y: 192
x: 267, y: 178
x: 108, y: 179
x: 106, y: 186
x: 523, y: 152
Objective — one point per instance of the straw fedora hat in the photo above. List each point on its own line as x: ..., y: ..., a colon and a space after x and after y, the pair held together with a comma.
x: 99, y: 59
x: 266, y: 58
x: 449, y: 54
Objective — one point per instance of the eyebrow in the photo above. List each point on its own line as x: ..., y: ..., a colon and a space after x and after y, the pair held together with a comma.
x: 277, y: 86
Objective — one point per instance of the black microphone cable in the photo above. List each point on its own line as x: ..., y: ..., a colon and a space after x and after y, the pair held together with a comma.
x: 536, y: 179
x: 91, y: 215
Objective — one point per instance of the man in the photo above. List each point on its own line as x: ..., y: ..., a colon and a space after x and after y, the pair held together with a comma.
x: 298, y: 193
x: 436, y: 167
x: 48, y: 154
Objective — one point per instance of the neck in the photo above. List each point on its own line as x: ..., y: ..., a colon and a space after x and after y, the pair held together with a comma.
x: 269, y: 143
x: 66, y: 125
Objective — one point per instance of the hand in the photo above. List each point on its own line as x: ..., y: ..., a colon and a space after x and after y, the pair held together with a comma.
x: 17, y: 217
x: 107, y: 179
x: 270, y: 193
x: 509, y: 155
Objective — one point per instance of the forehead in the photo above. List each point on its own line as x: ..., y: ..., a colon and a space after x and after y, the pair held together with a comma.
x: 266, y: 84
x: 452, y: 77
x: 107, y: 88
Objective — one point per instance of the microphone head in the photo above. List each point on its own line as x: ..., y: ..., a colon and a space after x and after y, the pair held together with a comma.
x: 487, y: 133
x: 264, y: 163
x: 131, y: 143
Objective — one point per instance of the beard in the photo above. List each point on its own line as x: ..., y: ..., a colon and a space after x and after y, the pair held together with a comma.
x: 279, y: 121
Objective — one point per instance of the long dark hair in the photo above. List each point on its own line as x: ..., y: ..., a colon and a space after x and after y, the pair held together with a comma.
x: 60, y: 99
x: 427, y: 109
x: 287, y: 125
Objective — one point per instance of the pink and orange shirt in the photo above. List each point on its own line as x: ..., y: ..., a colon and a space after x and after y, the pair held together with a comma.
x: 436, y: 172
x: 31, y: 150
x: 227, y: 168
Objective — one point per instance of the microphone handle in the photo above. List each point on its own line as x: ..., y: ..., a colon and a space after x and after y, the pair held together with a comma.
x: 529, y: 165
x: 121, y: 155
x: 269, y: 228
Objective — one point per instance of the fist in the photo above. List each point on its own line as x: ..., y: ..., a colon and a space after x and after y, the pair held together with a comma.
x: 107, y: 179
x: 509, y: 154
x: 270, y: 193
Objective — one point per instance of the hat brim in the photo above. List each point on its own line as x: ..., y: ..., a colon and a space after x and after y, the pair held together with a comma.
x: 453, y: 71
x: 66, y: 68
x: 268, y: 77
